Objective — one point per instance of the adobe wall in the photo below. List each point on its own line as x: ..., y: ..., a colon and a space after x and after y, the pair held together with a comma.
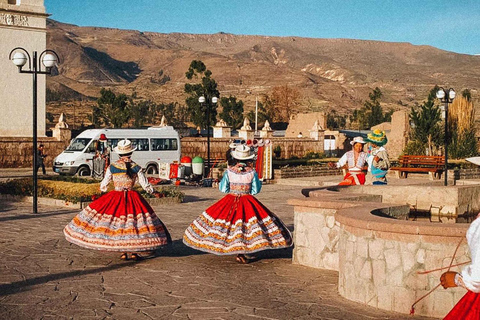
x: 16, y: 152
x: 299, y: 147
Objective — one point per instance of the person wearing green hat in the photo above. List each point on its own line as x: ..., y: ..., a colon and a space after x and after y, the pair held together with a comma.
x: 378, y: 162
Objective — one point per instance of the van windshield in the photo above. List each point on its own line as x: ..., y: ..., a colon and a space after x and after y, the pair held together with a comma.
x: 78, y: 144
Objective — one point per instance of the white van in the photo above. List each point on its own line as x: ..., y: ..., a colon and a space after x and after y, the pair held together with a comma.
x: 154, y: 145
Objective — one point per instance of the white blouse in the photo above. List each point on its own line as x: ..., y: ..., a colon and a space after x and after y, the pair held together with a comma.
x: 471, y: 273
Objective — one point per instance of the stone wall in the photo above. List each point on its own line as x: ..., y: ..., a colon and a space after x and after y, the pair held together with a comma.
x: 306, y: 171
x: 299, y: 147
x: 16, y: 152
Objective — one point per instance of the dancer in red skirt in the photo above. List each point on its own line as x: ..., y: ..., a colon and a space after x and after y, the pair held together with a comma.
x: 121, y: 220
x: 468, y: 308
x: 238, y: 223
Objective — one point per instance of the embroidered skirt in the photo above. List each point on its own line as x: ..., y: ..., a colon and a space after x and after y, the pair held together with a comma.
x: 468, y: 308
x: 118, y: 221
x: 237, y: 224
x: 352, y: 179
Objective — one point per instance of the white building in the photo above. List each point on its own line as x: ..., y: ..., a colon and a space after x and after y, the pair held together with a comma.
x: 22, y: 24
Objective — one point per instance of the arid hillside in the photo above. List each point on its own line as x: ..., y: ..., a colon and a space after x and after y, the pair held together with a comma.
x: 329, y: 73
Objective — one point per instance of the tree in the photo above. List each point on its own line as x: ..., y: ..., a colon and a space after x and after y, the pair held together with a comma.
x: 461, y: 127
x: 426, y: 131
x: 371, y: 113
x: 286, y: 102
x: 111, y: 109
x: 207, y: 88
x: 139, y: 112
x: 262, y: 113
x: 232, y: 112
x: 335, y: 121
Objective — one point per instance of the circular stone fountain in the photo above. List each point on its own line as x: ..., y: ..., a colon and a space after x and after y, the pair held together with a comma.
x: 364, y: 233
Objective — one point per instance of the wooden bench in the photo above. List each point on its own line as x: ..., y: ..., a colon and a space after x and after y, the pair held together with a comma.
x: 433, y: 165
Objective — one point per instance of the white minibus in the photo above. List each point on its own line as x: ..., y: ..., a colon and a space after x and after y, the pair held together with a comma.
x: 154, y: 145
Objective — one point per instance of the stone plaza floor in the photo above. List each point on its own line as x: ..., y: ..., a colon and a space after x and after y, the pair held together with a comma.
x: 42, y: 276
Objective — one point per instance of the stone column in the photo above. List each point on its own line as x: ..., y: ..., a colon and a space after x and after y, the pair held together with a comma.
x: 317, y: 132
x: 266, y: 132
x: 221, y: 130
x: 246, y: 132
x: 61, y: 132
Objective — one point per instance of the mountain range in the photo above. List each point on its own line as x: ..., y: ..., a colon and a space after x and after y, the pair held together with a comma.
x: 329, y: 73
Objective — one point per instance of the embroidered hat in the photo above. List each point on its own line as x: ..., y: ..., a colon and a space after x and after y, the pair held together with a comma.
x: 357, y: 140
x: 103, y: 137
x: 242, y: 152
x: 377, y: 137
x: 232, y: 145
x: 124, y: 147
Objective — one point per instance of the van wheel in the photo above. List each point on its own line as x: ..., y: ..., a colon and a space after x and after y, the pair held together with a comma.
x: 83, y: 172
x: 151, y: 169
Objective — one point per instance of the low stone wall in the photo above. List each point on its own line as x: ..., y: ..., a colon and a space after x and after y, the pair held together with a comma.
x: 378, y: 258
x: 299, y: 147
x: 306, y: 171
x: 17, y: 152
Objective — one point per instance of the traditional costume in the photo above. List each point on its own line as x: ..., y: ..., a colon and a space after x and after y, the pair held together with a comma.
x: 121, y: 220
x: 468, y: 308
x: 238, y: 223
x: 356, y: 165
x: 378, y: 162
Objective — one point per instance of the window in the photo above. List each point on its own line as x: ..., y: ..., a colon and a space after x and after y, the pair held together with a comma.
x: 78, y: 144
x: 141, y: 144
x: 164, y: 144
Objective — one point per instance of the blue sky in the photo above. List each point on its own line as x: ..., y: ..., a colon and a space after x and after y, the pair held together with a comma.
x: 452, y: 25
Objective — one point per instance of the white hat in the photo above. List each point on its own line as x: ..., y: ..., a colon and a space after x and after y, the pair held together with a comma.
x: 124, y: 147
x: 357, y: 140
x: 242, y: 152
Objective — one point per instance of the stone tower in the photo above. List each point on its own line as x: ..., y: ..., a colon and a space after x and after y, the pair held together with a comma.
x: 22, y: 24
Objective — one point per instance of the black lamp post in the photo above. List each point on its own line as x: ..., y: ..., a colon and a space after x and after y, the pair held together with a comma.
x: 446, y: 96
x: 49, y: 58
x: 202, y: 100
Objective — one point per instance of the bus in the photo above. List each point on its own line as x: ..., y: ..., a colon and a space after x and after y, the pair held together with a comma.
x: 154, y: 145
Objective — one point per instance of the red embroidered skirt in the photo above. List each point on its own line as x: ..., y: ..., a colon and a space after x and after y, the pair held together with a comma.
x: 237, y: 224
x: 349, y: 179
x: 468, y: 308
x: 118, y: 221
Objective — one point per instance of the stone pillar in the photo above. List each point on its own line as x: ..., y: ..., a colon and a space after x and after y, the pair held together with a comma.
x: 221, y: 130
x: 61, y: 132
x: 246, y: 132
x: 398, y: 136
x: 266, y: 132
x: 317, y: 132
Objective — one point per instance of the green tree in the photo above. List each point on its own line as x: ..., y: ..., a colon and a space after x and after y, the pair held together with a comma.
x: 111, y: 109
x: 207, y: 88
x: 140, y: 111
x: 371, y: 113
x: 232, y: 111
x: 335, y: 121
x: 426, y: 130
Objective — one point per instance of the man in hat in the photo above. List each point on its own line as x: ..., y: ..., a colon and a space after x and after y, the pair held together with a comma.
x: 378, y: 162
x: 356, y: 161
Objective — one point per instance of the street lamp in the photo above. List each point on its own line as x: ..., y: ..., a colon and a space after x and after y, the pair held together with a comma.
x: 202, y: 100
x: 446, y: 96
x: 49, y: 58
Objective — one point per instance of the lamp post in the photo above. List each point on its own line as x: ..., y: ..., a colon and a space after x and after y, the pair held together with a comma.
x: 446, y: 96
x: 202, y: 101
x: 49, y: 58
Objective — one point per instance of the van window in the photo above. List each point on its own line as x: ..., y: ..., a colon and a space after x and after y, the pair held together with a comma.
x: 164, y: 144
x: 141, y: 144
x: 112, y: 143
x: 78, y: 144
x: 91, y: 147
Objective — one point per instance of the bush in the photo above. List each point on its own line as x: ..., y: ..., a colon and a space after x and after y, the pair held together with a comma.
x: 77, y: 190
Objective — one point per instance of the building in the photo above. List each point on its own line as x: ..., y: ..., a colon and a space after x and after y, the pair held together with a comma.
x: 22, y: 24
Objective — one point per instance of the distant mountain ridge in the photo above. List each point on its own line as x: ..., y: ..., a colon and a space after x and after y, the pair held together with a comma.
x: 329, y: 73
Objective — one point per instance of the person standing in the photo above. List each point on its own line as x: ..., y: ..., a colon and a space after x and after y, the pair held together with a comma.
x: 101, y: 160
x: 121, y: 220
x: 378, y: 162
x: 41, y: 155
x: 356, y: 161
x: 468, y: 308
x: 238, y: 223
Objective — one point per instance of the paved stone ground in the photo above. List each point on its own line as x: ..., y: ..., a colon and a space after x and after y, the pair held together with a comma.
x: 42, y: 276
